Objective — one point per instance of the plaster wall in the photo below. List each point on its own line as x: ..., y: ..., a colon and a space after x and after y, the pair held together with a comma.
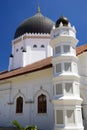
x: 32, y: 53
x: 82, y: 66
x: 28, y: 86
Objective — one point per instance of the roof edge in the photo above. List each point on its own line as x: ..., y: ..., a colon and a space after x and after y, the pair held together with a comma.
x: 81, y: 49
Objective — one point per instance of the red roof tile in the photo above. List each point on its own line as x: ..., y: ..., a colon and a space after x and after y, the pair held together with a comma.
x: 81, y: 49
x: 40, y: 65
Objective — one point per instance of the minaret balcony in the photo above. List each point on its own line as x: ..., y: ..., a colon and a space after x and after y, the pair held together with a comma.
x: 66, y: 100
x: 66, y: 76
x: 63, y: 39
x: 64, y: 31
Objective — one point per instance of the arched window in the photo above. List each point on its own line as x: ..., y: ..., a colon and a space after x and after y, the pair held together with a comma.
x: 22, y: 48
x: 42, y: 46
x: 34, y: 46
x: 19, y: 105
x: 42, y: 104
x: 17, y: 50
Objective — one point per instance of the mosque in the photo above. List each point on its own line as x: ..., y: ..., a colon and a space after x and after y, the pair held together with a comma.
x: 45, y: 83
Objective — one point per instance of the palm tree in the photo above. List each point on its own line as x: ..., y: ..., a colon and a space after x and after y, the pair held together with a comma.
x: 19, y: 127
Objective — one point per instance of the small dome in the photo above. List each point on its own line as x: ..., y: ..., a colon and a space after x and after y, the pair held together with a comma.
x: 62, y: 20
x: 36, y: 24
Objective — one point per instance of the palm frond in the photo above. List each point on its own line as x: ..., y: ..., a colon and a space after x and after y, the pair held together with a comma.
x: 17, y: 124
x: 30, y: 128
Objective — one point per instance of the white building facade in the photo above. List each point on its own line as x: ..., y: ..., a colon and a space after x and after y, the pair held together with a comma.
x: 46, y: 81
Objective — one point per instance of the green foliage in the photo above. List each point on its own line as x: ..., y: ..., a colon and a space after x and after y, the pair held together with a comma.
x: 19, y: 127
x: 17, y: 124
x: 30, y: 128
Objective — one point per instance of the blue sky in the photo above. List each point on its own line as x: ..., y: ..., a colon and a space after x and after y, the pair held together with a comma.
x: 13, y: 12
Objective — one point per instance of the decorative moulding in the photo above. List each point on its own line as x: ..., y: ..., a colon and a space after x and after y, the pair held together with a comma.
x: 30, y: 101
x: 10, y: 103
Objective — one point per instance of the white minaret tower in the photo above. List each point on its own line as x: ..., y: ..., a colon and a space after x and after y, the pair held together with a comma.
x: 66, y: 99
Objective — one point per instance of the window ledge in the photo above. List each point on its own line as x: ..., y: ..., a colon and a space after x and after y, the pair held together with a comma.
x: 42, y: 114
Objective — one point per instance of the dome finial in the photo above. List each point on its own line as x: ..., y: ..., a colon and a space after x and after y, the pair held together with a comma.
x: 62, y: 20
x: 38, y: 10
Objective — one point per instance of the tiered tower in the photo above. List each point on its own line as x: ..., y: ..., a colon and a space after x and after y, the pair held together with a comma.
x: 66, y: 99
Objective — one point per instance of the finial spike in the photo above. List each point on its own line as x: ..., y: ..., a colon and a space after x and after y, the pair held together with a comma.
x: 38, y: 10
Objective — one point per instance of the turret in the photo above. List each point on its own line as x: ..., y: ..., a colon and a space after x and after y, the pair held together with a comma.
x: 66, y: 98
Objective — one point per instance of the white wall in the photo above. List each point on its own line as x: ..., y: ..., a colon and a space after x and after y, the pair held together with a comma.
x: 4, y: 109
x: 82, y: 66
x: 32, y: 54
x: 29, y: 87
